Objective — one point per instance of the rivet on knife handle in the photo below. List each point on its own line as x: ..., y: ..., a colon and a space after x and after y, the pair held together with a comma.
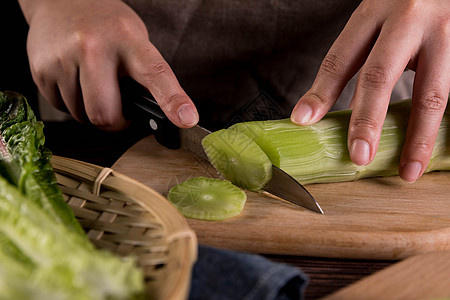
x: 139, y: 103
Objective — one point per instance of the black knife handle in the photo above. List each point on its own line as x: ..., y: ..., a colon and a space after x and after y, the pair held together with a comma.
x: 139, y: 103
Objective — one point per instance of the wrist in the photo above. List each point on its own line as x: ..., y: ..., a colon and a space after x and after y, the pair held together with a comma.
x: 30, y: 7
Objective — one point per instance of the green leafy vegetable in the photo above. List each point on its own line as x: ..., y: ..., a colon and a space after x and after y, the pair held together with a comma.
x: 44, y: 252
x: 25, y: 161
x: 57, y: 262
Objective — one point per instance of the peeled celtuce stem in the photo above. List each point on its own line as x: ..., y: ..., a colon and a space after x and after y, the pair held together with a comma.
x: 318, y: 153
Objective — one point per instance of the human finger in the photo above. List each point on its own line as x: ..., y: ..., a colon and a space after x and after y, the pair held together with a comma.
x: 382, y: 69
x: 343, y: 60
x: 148, y: 67
x: 429, y: 101
x: 101, y: 93
x: 70, y: 91
x: 44, y: 77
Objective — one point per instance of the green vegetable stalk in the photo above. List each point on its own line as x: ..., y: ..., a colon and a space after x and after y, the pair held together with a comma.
x: 318, y: 153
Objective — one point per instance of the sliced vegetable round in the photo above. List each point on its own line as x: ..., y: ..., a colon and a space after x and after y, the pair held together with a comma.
x: 238, y: 158
x: 207, y: 198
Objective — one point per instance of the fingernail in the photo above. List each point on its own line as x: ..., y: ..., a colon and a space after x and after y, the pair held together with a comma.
x: 360, y: 152
x: 187, y: 115
x: 411, y: 171
x: 302, y: 114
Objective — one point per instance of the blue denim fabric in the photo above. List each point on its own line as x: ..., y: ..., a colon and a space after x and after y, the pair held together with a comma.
x: 229, y: 275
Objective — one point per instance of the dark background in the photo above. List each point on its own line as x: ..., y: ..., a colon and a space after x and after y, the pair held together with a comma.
x: 15, y: 72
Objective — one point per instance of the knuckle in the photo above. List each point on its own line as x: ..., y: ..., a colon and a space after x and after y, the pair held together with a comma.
x: 36, y: 68
x: 412, y: 8
x: 317, y: 97
x: 443, y: 28
x: 101, y: 120
x: 87, y: 40
x: 42, y: 69
x: 365, y: 10
x: 368, y: 10
x: 158, y: 67
x: 432, y: 101
x: 173, y: 101
x: 422, y: 146
x: 151, y: 72
x: 333, y: 65
x: 375, y: 77
x: 86, y: 44
x: 128, y: 28
x: 364, y: 123
x: 39, y: 75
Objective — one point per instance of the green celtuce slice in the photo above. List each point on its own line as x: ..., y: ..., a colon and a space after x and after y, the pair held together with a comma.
x: 207, y: 198
x: 318, y: 153
x: 238, y: 158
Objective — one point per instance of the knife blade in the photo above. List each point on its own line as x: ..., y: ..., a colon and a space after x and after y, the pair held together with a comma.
x: 287, y: 188
x: 144, y: 106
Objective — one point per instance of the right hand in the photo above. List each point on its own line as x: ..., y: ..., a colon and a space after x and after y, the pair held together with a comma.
x: 77, y: 51
x: 381, y: 39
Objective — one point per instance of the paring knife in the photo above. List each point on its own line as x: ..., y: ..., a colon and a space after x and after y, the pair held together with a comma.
x: 167, y: 134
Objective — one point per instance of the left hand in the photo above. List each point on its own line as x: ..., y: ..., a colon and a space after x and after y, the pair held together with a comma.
x: 382, y: 39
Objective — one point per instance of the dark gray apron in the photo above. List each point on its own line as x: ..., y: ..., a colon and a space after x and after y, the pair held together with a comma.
x: 225, y: 52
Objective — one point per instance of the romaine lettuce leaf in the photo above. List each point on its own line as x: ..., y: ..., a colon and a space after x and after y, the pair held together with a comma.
x: 25, y: 161
x: 49, y: 259
x: 44, y: 252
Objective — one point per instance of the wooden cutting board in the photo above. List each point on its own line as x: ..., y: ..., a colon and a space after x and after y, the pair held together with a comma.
x: 423, y: 276
x: 380, y: 218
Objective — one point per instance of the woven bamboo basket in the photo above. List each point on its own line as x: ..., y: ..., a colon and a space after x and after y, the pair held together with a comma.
x: 129, y: 218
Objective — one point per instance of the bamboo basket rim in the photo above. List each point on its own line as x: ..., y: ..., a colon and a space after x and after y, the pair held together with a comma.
x: 127, y: 217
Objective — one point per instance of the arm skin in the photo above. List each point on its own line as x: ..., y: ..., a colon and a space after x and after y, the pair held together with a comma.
x: 382, y: 39
x: 77, y: 51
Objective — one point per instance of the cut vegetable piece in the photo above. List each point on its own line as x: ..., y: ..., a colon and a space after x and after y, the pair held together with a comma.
x: 238, y: 158
x: 207, y: 198
x: 257, y: 132
x: 318, y: 153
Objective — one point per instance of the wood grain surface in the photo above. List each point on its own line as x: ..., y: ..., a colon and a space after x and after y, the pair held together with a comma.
x: 380, y: 218
x: 424, y: 276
